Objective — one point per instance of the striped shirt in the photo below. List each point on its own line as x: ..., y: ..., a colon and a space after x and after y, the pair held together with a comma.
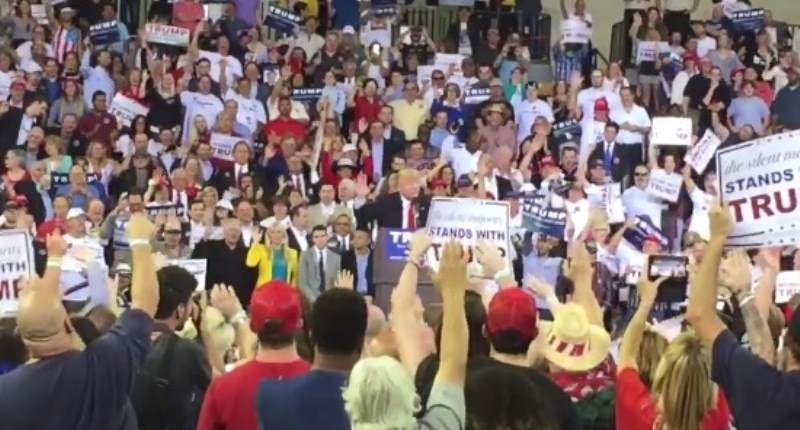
x: 65, y: 40
x: 565, y: 64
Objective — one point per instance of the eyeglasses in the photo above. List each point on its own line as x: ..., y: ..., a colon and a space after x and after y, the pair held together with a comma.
x: 438, y: 78
x: 640, y: 174
x: 172, y: 231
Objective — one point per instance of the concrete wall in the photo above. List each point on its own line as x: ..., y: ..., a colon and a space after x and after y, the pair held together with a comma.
x: 606, y: 13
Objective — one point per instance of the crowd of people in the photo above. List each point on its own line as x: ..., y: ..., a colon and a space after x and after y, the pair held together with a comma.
x: 203, y: 192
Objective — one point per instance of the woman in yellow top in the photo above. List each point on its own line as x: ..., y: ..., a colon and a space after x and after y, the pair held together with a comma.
x: 274, y: 260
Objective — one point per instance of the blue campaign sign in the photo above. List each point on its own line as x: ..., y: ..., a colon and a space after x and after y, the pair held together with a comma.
x: 567, y: 131
x: 539, y: 217
x: 747, y: 20
x: 644, y: 227
x: 396, y: 244
x: 384, y: 7
x: 282, y: 20
x: 104, y: 33
x: 307, y: 95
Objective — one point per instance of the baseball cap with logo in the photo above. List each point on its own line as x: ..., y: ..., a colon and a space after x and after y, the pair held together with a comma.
x: 513, y: 310
x: 276, y: 301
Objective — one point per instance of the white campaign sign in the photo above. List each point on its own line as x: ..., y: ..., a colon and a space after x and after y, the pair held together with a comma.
x: 666, y: 186
x: 166, y: 34
x: 787, y: 285
x: 468, y: 221
x: 16, y: 261
x: 222, y: 144
x: 444, y: 61
x: 703, y: 151
x: 424, y: 74
x: 125, y: 109
x: 197, y: 267
x: 673, y: 131
x: 575, y: 31
x: 646, y: 51
x: 759, y: 180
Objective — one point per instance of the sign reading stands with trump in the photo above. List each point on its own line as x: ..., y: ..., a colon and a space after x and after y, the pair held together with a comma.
x: 16, y: 262
x: 760, y: 182
x: 470, y: 222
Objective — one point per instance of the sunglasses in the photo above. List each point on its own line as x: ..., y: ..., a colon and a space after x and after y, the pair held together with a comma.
x: 438, y: 78
x: 640, y: 174
x: 172, y: 231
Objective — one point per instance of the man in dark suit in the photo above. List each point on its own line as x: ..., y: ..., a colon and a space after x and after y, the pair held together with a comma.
x: 405, y: 209
x: 231, y: 177
x: 466, y: 22
x: 358, y: 261
x: 299, y: 177
x: 383, y: 149
x: 611, y: 153
x: 395, y: 136
x: 15, y: 123
x: 297, y: 233
x: 228, y: 256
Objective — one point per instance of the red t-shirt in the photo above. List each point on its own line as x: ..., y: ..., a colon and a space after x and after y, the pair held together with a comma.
x: 635, y: 409
x: 101, y: 123
x: 366, y: 109
x: 283, y: 126
x: 187, y: 14
x: 230, y: 400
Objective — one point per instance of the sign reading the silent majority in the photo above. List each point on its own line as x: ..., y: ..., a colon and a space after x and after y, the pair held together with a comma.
x: 702, y: 152
x: 223, y: 144
x: 384, y: 7
x: 469, y: 221
x: 197, y: 267
x: 125, y: 109
x: 759, y: 180
x: 666, y: 186
x: 672, y: 131
x: 166, y: 34
x: 16, y: 262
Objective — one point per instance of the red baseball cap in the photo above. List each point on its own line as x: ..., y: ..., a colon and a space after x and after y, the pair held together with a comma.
x: 513, y: 309
x: 601, y: 104
x: 18, y: 84
x: 278, y: 301
x: 547, y: 161
x: 438, y: 183
x: 652, y: 238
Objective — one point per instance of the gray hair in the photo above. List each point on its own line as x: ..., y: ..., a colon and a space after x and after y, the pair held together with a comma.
x: 380, y: 394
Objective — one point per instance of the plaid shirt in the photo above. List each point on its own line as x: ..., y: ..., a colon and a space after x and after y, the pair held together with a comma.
x: 566, y: 63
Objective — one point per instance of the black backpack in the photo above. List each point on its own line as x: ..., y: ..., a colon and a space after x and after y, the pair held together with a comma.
x: 151, y: 396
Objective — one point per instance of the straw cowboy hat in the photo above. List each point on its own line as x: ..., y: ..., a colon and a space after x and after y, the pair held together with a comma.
x: 573, y: 343
x: 497, y: 108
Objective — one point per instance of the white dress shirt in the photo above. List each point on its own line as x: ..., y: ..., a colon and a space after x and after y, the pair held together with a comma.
x: 637, y: 116
x: 300, y: 237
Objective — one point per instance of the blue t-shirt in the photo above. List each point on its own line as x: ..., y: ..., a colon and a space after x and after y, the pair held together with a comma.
x: 760, y: 396
x: 85, y: 390
x: 310, y: 401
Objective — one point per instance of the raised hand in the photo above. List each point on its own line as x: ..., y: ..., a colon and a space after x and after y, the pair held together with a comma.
x: 224, y: 299
x: 578, y: 266
x: 489, y: 258
x: 56, y: 245
x: 258, y: 234
x: 452, y: 275
x: 648, y: 290
x: 720, y: 220
x: 139, y: 227
x: 345, y: 280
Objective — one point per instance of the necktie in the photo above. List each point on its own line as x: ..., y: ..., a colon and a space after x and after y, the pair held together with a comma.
x: 411, y: 219
x: 607, y: 159
x: 298, y: 186
x: 321, y: 272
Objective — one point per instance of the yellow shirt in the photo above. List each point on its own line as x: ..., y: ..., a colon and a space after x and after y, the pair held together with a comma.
x: 258, y: 255
x: 408, y: 117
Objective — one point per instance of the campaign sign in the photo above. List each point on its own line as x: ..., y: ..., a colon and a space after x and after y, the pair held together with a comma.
x: 166, y: 34
x: 167, y: 209
x: 223, y: 144
x: 465, y: 3
x: 384, y: 7
x: 16, y: 261
x: 760, y: 182
x: 567, y: 131
x: 671, y: 131
x: 125, y: 109
x: 702, y: 152
x: 397, y: 243
x: 787, y: 285
x: 574, y: 30
x: 641, y: 230
x: 58, y: 179
x: 444, y: 61
x: 39, y: 12
x: 197, y: 267
x: 307, y: 95
x: 468, y: 221
x: 666, y: 186
x: 747, y: 20
x: 104, y: 33
x: 539, y: 217
x: 474, y: 96
x: 282, y: 20
x: 646, y: 52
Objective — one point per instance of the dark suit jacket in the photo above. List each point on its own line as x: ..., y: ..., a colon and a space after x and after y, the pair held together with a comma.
x: 619, y: 162
x: 10, y: 123
x: 228, y: 267
x: 311, y: 189
x: 292, y: 240
x: 226, y: 177
x: 349, y: 263
x: 503, y: 187
x: 473, y: 32
x: 387, y: 212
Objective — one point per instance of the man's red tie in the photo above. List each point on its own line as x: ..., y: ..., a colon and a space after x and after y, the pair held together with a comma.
x: 411, y: 218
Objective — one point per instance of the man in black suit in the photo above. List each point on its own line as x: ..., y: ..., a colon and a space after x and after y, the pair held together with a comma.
x: 15, y: 123
x: 612, y: 154
x: 297, y: 233
x: 395, y: 136
x: 299, y: 177
x: 382, y: 150
x: 405, y: 209
x: 242, y: 165
x: 468, y: 23
x: 228, y: 256
x: 358, y: 261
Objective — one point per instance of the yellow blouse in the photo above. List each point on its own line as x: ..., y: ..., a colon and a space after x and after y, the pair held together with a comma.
x: 259, y: 256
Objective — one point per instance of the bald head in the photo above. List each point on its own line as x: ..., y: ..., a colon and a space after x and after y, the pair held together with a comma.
x: 43, y: 323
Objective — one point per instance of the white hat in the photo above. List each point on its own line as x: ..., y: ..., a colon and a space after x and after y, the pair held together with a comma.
x: 349, y: 147
x: 75, y: 212
x: 348, y: 29
x: 574, y: 344
x: 225, y: 204
x: 66, y: 9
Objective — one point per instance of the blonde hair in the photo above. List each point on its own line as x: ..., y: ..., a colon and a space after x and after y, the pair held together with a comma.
x: 683, y: 384
x: 650, y: 351
x: 380, y: 394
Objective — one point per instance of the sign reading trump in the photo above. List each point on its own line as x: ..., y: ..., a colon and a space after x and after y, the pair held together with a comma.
x: 759, y: 180
x: 469, y: 221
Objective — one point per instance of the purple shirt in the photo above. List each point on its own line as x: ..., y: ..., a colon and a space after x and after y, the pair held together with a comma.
x: 246, y: 10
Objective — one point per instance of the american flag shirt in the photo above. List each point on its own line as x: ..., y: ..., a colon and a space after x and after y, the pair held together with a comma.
x: 64, y: 41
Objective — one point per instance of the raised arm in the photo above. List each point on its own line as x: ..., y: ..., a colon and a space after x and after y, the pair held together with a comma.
x: 144, y: 283
x: 701, y: 312
x: 319, y: 136
x: 452, y: 283
x: 404, y: 317
x: 564, y: 13
x: 633, y: 333
x: 579, y: 270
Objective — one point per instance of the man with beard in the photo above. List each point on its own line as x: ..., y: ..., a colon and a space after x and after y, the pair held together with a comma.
x: 169, y: 389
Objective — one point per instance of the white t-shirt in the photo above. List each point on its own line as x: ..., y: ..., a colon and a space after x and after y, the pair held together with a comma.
x: 233, y: 70
x: 526, y: 112
x: 250, y: 112
x: 706, y: 45
x: 639, y: 202
x: 637, y: 117
x: 700, y: 222
x: 207, y: 105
